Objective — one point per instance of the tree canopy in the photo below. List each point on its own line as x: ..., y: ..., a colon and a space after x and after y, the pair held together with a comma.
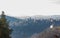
x: 4, y: 27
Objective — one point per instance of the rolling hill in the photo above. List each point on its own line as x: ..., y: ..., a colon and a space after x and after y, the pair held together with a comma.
x: 49, y: 33
x: 26, y: 27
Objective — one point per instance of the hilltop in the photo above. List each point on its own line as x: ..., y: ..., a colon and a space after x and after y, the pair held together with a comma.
x: 49, y: 33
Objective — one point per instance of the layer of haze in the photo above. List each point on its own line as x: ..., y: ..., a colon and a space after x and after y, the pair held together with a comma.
x: 30, y: 7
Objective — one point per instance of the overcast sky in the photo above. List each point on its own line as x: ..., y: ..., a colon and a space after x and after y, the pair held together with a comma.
x: 30, y: 7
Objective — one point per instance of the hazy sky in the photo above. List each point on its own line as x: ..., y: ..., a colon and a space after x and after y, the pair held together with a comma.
x: 30, y: 7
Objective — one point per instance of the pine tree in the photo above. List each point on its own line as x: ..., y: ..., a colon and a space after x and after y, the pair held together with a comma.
x: 4, y: 27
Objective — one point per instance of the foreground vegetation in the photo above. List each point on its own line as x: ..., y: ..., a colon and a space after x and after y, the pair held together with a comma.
x: 4, y: 27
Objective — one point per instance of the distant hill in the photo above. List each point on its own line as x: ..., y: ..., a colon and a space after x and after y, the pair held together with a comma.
x: 26, y: 27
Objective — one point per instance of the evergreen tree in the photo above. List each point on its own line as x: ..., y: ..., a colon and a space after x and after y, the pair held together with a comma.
x: 4, y: 27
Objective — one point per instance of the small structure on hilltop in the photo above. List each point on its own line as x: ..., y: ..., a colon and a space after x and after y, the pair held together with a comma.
x: 52, y: 25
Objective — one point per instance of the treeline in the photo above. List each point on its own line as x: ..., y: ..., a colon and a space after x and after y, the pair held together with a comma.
x: 5, y: 31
